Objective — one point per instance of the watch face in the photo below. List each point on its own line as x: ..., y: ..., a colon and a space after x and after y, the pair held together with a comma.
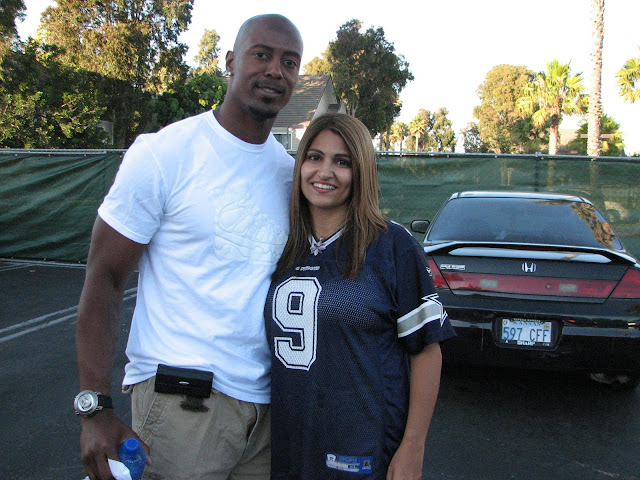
x: 86, y: 402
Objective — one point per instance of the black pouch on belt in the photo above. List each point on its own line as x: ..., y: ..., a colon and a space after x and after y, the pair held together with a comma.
x: 184, y: 381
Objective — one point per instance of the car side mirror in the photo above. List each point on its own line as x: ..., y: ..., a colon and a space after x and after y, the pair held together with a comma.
x: 420, y: 226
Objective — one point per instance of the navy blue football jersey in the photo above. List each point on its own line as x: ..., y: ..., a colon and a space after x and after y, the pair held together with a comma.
x: 340, y: 357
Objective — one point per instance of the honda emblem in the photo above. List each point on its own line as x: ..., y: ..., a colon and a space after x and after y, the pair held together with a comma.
x: 528, y: 267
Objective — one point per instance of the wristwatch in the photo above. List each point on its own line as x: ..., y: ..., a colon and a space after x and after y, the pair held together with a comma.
x: 88, y: 402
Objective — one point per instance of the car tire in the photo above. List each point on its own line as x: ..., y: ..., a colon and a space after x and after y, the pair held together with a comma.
x: 622, y: 382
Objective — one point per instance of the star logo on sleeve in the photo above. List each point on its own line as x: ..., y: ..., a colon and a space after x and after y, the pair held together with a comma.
x: 434, y: 299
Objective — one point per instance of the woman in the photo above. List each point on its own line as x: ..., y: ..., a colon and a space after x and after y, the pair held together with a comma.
x: 353, y: 322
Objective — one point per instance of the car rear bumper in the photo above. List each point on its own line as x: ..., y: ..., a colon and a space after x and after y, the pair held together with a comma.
x: 584, y: 348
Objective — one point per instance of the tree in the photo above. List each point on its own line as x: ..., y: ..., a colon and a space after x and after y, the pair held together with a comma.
x: 528, y: 137
x: 318, y: 65
x: 125, y: 40
x: 473, y: 142
x: 367, y: 74
x: 399, y: 131
x: 594, y: 146
x: 432, y: 131
x: 10, y: 11
x: 417, y: 127
x: 208, y: 53
x: 201, y: 93
x: 134, y: 44
x: 46, y: 104
x: 611, y: 143
x: 501, y: 124
x: 441, y: 137
x: 628, y: 75
x: 550, y: 95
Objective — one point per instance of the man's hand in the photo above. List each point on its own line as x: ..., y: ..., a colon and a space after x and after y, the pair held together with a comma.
x: 101, y: 436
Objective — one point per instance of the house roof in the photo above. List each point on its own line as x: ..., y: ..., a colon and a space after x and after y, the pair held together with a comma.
x: 304, y: 101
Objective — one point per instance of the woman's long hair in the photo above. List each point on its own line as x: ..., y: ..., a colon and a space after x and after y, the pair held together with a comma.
x: 364, y: 220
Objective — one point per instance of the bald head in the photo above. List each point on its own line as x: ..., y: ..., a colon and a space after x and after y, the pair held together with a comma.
x: 270, y: 21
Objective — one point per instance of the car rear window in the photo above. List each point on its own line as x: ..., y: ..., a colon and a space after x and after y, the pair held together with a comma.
x: 553, y: 222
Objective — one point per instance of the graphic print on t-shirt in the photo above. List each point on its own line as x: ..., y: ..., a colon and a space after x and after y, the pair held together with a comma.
x: 243, y: 231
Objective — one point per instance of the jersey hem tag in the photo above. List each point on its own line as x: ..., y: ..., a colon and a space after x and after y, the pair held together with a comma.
x: 350, y: 464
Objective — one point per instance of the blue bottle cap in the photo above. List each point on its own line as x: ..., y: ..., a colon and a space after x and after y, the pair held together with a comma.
x: 131, y: 445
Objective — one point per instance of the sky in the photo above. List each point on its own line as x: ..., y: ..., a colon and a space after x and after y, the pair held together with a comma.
x: 450, y: 45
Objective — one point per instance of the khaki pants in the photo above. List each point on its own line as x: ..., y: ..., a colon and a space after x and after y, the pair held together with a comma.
x: 230, y: 440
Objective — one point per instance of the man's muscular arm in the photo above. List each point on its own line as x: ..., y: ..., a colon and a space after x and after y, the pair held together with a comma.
x: 112, y: 259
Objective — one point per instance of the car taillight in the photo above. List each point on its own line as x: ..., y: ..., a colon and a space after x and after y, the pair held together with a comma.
x: 561, y: 287
x: 438, y: 279
x: 629, y: 286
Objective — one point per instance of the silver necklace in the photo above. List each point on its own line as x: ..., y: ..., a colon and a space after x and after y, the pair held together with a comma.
x: 319, y: 246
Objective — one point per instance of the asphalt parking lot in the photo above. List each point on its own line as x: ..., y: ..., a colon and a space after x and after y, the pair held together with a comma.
x: 489, y: 423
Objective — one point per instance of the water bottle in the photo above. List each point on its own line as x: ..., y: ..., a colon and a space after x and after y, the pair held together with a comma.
x: 132, y: 455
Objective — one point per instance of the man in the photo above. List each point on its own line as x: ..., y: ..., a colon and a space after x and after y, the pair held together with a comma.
x: 201, y: 208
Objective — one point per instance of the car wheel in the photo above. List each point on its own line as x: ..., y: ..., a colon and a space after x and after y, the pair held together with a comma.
x: 623, y: 382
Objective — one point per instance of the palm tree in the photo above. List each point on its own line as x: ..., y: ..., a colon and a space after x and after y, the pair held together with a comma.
x: 399, y: 132
x: 627, y: 78
x: 594, y: 146
x: 417, y: 127
x: 611, y: 140
x: 550, y: 95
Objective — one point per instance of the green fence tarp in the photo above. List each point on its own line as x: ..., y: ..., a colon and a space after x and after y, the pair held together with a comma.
x: 49, y: 199
x: 48, y: 202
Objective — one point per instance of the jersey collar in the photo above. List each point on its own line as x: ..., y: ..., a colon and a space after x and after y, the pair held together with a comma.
x: 317, y: 247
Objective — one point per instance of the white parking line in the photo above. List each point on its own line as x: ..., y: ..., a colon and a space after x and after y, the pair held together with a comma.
x: 50, y: 319
x: 6, y: 266
x: 37, y: 319
x: 12, y: 264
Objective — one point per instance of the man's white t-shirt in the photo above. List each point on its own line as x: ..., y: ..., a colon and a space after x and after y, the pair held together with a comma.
x: 213, y: 211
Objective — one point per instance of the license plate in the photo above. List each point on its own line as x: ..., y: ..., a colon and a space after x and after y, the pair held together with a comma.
x: 526, y: 333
